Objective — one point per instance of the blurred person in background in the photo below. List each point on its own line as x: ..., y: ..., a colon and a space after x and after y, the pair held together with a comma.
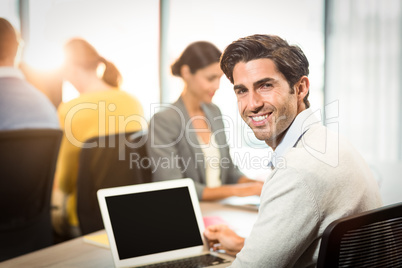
x: 187, y: 139
x: 21, y: 104
x: 101, y: 109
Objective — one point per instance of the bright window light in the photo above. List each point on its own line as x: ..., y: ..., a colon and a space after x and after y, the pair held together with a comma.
x: 125, y: 32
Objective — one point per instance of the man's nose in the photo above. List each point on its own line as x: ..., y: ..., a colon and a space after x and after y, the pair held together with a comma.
x: 254, y: 101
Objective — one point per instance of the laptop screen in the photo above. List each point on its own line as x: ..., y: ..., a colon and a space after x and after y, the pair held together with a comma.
x: 153, y: 222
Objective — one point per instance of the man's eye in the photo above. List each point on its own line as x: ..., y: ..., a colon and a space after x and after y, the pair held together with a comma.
x: 240, y: 91
x: 266, y: 85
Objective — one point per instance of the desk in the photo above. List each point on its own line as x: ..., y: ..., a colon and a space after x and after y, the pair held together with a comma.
x: 77, y: 253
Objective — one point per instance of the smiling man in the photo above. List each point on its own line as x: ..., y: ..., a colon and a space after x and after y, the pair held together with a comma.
x: 323, y: 178
x: 266, y: 101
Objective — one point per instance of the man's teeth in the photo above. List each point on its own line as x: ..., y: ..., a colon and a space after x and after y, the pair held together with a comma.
x: 260, y: 118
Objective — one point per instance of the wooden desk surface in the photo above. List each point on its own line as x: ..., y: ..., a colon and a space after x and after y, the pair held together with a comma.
x: 77, y: 253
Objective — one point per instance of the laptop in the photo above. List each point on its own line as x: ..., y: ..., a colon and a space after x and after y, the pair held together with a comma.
x: 156, y: 223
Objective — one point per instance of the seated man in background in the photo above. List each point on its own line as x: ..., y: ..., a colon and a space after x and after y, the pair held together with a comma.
x: 21, y: 104
x: 317, y: 175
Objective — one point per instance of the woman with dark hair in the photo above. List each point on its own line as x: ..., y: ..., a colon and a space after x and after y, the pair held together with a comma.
x: 101, y: 109
x: 187, y: 139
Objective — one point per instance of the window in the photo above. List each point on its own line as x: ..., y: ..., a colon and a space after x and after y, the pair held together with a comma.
x: 363, y: 74
x: 9, y: 11
x: 126, y: 32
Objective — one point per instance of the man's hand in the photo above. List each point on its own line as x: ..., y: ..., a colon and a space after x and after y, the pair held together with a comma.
x: 221, y: 237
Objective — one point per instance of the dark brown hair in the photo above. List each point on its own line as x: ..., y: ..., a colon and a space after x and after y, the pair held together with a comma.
x: 289, y: 59
x: 197, y: 55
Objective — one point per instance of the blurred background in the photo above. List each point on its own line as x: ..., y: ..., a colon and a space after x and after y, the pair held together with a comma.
x: 353, y: 46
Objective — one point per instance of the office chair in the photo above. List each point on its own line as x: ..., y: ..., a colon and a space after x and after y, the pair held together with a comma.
x: 369, y: 239
x: 27, y: 164
x: 114, y: 160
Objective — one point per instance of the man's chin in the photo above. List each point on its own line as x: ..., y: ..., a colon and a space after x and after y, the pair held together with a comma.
x: 260, y: 137
x: 260, y: 134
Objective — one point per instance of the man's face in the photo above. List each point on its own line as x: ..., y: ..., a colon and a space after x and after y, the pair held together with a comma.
x: 264, y: 99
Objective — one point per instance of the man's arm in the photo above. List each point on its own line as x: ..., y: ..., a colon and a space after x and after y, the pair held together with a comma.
x: 287, y: 224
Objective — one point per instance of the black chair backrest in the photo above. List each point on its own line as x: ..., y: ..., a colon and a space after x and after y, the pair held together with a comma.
x: 368, y: 239
x: 27, y: 164
x: 109, y: 161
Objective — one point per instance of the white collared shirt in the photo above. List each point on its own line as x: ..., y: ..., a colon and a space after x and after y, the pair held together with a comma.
x: 11, y: 72
x: 300, y: 125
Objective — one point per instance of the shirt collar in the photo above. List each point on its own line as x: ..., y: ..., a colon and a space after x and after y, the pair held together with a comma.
x: 300, y: 125
x: 11, y: 72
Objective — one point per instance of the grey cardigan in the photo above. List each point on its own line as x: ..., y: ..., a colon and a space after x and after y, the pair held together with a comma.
x: 174, y: 149
x: 300, y: 199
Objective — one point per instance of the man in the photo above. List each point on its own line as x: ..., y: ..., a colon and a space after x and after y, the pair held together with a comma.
x: 317, y: 176
x: 21, y: 105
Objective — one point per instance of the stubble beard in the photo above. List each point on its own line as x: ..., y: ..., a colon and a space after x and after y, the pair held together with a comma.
x: 269, y: 132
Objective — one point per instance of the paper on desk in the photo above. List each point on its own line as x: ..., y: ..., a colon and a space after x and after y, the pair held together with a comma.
x: 100, y: 240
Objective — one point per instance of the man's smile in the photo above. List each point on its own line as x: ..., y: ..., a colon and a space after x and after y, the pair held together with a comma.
x: 260, y: 119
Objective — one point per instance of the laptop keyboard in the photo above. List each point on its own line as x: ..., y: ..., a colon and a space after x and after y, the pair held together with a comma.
x: 192, y: 262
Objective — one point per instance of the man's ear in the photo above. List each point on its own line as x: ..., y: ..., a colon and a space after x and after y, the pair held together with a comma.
x: 302, y: 87
x: 185, y: 72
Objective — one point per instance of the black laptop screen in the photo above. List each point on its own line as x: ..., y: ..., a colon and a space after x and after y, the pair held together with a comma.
x: 153, y: 222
